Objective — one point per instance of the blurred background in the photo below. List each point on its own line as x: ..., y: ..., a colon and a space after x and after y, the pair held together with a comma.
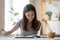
x: 11, y: 11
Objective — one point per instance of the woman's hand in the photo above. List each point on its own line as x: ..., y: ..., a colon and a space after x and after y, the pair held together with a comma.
x: 11, y: 31
x: 7, y: 33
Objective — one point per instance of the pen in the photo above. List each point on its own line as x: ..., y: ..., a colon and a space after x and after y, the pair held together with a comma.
x: 3, y: 30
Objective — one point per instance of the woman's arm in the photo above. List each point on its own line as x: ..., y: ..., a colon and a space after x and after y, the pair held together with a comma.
x: 40, y: 30
x: 12, y: 30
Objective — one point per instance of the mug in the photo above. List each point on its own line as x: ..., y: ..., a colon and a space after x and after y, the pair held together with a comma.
x: 51, y: 35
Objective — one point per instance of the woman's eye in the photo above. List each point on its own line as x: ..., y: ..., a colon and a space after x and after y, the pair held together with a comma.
x: 32, y: 15
x: 28, y: 15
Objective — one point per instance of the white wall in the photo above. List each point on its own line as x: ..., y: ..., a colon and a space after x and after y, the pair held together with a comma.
x: 55, y: 26
x: 57, y: 4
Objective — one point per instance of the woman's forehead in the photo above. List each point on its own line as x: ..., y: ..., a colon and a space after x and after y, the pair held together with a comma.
x: 30, y: 12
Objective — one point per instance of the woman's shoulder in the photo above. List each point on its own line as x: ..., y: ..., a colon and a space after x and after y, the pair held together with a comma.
x: 20, y: 20
x: 19, y: 23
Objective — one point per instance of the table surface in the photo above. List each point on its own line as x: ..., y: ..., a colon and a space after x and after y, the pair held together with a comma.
x: 13, y: 38
x: 7, y: 38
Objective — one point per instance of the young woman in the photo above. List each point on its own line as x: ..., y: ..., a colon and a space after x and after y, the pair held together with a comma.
x: 29, y: 24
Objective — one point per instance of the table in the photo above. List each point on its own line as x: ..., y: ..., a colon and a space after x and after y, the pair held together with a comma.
x: 13, y: 38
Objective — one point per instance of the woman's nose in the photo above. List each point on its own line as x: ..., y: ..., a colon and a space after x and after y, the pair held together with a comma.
x: 30, y: 16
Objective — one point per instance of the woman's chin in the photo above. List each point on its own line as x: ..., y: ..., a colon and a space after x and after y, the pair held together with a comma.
x: 30, y: 20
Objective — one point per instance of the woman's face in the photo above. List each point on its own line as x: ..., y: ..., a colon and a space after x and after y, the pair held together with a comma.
x: 30, y: 15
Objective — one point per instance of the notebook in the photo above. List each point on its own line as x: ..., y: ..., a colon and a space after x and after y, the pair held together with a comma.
x: 31, y: 36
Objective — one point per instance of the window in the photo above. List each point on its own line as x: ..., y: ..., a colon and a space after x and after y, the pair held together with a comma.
x: 13, y: 13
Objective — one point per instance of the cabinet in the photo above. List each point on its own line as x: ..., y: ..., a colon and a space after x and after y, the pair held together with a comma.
x: 55, y: 26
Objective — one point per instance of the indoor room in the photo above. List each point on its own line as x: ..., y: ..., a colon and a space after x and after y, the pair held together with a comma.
x: 32, y: 19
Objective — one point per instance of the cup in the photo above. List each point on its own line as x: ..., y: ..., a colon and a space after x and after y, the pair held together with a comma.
x: 51, y: 35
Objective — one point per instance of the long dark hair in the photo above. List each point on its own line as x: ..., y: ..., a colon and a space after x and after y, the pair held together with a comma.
x: 27, y: 8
